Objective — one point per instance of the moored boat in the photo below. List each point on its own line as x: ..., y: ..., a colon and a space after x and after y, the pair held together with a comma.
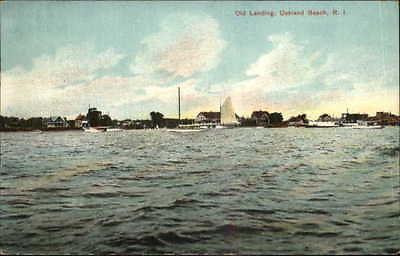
x: 186, y: 128
x: 321, y: 124
x: 367, y: 125
x: 101, y: 129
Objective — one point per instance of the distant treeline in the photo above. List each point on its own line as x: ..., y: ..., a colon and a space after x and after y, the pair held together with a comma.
x: 157, y: 120
x: 15, y: 123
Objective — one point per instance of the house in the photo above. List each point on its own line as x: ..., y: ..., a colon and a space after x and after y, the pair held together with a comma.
x: 353, y: 118
x: 325, y: 118
x: 208, y: 117
x: 261, y: 118
x: 300, y: 120
x: 78, y: 121
x: 386, y: 118
x: 55, y: 122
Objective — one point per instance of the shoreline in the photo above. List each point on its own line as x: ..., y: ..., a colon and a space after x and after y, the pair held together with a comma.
x: 247, y: 127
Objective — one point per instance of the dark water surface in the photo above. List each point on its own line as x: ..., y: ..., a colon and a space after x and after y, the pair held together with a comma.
x: 275, y: 191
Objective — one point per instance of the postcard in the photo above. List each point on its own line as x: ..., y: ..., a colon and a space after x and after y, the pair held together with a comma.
x: 211, y: 127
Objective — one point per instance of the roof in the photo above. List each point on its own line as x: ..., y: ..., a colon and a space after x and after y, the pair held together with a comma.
x: 55, y: 119
x: 210, y: 115
x: 259, y: 114
x: 80, y: 117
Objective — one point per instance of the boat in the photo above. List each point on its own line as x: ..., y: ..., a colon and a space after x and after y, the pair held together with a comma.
x: 321, y: 124
x: 110, y: 129
x: 185, y: 128
x: 228, y: 116
x: 101, y: 129
x: 93, y: 129
x: 348, y: 125
x: 367, y: 125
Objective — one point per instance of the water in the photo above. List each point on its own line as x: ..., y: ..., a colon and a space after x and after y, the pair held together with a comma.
x: 275, y: 191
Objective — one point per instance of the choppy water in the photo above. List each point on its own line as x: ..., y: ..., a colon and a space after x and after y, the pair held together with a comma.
x: 275, y: 191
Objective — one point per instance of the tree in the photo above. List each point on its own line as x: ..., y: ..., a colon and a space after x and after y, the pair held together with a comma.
x: 2, y: 122
x: 275, y: 118
x: 35, y: 122
x: 93, y: 116
x: 324, y: 117
x: 105, y: 120
x: 157, y: 119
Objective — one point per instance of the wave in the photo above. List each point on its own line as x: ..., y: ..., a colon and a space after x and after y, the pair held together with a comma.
x: 257, y: 211
x: 389, y: 151
x: 311, y: 211
x: 16, y: 216
x: 317, y: 234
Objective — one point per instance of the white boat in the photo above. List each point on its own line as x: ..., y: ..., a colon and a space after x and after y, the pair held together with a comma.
x: 186, y: 128
x: 228, y: 116
x: 101, y: 129
x: 114, y: 130
x: 92, y: 129
x: 179, y: 130
x: 367, y: 125
x: 348, y: 125
x: 320, y: 124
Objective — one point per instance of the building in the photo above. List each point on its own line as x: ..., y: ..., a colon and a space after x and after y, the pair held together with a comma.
x: 208, y: 117
x: 55, y: 122
x: 353, y: 118
x: 93, y: 117
x: 384, y: 115
x: 78, y: 121
x: 261, y: 118
x: 326, y: 118
x: 300, y: 120
x: 386, y: 118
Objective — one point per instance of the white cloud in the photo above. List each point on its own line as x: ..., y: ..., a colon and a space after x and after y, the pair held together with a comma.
x: 185, y: 45
x: 291, y: 79
x: 68, y: 81
x: 284, y: 66
x: 42, y: 89
x: 288, y: 78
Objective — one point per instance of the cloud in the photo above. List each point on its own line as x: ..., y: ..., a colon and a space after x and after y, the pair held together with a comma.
x: 186, y: 44
x: 66, y: 82
x: 292, y: 79
x: 69, y: 65
x: 42, y: 89
x: 284, y: 66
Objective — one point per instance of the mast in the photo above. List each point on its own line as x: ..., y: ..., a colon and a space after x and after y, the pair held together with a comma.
x: 220, y: 112
x: 179, y: 104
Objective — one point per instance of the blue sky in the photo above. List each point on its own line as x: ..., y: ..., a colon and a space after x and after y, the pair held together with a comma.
x: 128, y: 58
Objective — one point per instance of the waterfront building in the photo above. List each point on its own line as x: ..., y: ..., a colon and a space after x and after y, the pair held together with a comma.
x: 78, y: 121
x: 261, y: 118
x: 386, y: 118
x: 353, y: 118
x: 55, y: 122
x: 326, y: 118
x: 208, y: 117
x: 300, y: 120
